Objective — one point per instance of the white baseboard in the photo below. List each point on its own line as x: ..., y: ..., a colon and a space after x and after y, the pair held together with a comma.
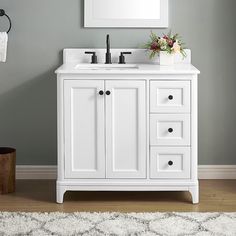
x: 50, y: 172
x: 217, y: 172
x: 36, y: 172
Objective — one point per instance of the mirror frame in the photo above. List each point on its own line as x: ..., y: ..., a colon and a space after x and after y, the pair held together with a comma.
x: 91, y: 22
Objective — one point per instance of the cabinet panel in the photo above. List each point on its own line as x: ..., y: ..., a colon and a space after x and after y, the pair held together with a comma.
x: 126, y: 129
x: 84, y: 129
x: 170, y: 129
x: 170, y: 162
x: 170, y: 96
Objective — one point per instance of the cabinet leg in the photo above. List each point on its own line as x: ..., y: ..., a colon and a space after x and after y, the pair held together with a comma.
x: 60, y: 194
x: 194, y: 190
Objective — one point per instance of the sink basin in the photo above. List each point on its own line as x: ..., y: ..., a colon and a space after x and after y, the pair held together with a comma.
x: 106, y: 66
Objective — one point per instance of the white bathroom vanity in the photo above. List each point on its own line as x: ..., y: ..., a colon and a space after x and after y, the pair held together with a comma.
x: 126, y: 127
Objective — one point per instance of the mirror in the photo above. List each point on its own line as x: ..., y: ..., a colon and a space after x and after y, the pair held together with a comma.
x: 126, y: 13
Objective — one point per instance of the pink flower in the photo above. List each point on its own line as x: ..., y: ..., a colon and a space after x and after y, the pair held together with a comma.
x: 170, y: 42
x: 154, y: 46
x: 165, y: 37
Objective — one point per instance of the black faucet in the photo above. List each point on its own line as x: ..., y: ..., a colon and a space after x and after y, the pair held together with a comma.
x: 108, y: 53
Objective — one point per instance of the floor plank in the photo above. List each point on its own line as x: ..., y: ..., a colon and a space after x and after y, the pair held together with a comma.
x: 39, y: 195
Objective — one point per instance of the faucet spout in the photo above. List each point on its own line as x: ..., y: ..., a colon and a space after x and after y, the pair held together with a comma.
x: 108, y: 43
x: 108, y: 53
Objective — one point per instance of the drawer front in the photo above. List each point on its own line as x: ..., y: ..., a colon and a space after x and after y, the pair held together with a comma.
x: 170, y: 129
x: 170, y: 96
x: 170, y: 163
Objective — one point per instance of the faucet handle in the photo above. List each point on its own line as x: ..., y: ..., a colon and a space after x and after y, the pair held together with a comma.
x: 94, y: 57
x: 122, y: 57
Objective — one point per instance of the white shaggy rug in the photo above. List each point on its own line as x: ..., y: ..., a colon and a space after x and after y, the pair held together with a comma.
x: 136, y: 224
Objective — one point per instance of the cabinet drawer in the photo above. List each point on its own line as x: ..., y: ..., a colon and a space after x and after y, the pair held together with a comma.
x: 170, y: 129
x: 170, y: 162
x: 170, y: 96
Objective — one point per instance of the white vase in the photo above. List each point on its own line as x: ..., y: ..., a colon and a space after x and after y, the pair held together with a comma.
x: 166, y: 59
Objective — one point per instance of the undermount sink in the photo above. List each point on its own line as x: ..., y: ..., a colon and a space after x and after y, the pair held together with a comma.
x: 106, y: 66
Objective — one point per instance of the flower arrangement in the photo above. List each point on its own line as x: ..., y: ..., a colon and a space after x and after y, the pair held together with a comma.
x: 168, y: 43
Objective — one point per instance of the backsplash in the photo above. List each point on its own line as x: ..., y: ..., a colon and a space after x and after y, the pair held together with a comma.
x: 137, y: 56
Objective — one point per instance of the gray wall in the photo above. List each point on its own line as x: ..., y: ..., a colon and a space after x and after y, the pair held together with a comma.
x: 42, y: 28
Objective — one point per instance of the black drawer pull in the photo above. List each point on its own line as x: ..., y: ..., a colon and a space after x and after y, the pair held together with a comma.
x: 170, y: 97
x: 170, y: 163
x: 170, y: 130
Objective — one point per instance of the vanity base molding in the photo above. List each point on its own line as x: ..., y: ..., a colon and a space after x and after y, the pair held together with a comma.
x: 192, y: 187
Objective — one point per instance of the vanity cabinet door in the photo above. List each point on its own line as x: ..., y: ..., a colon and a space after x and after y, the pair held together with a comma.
x: 126, y: 129
x: 84, y: 129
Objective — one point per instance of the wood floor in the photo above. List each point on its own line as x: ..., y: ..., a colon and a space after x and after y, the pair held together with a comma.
x: 39, y: 195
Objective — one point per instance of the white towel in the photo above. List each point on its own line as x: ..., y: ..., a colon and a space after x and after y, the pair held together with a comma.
x: 3, y: 46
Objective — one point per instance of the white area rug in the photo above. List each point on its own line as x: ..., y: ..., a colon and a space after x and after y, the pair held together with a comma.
x: 98, y: 224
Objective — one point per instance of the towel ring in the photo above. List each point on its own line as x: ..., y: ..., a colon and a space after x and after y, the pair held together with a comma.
x: 2, y: 13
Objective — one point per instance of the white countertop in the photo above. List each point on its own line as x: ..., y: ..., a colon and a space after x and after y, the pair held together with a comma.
x: 144, y: 69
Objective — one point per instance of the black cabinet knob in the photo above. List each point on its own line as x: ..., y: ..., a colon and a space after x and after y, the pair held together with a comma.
x: 170, y: 97
x: 170, y: 163
x: 108, y: 92
x: 101, y: 92
x: 170, y: 130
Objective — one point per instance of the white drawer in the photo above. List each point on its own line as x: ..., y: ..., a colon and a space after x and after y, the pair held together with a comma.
x: 170, y: 163
x: 170, y: 96
x: 170, y: 129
